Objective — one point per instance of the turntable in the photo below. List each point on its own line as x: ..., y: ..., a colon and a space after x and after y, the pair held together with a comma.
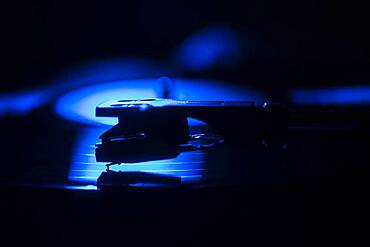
x: 157, y: 129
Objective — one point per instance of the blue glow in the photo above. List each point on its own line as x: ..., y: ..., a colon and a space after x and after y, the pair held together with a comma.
x: 81, y: 187
x: 90, y: 73
x: 85, y: 170
x: 22, y: 103
x: 217, y: 45
x: 79, y: 105
x: 112, y: 69
x: 355, y: 95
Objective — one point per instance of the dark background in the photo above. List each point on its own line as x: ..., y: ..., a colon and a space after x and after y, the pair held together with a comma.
x: 298, y: 42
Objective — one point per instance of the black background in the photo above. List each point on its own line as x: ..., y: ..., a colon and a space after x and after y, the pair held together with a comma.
x: 300, y: 43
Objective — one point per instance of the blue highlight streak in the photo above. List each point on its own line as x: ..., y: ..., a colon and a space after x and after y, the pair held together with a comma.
x: 355, y: 95
x: 90, y: 73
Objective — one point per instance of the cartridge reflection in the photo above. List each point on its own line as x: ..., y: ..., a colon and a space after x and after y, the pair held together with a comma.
x: 186, y: 167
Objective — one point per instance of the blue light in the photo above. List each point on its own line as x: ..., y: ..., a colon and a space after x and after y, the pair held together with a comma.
x: 355, y: 95
x: 22, y: 103
x: 79, y: 105
x: 90, y: 73
x: 216, y: 45
x: 112, y: 69
x: 144, y: 107
x: 81, y: 187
